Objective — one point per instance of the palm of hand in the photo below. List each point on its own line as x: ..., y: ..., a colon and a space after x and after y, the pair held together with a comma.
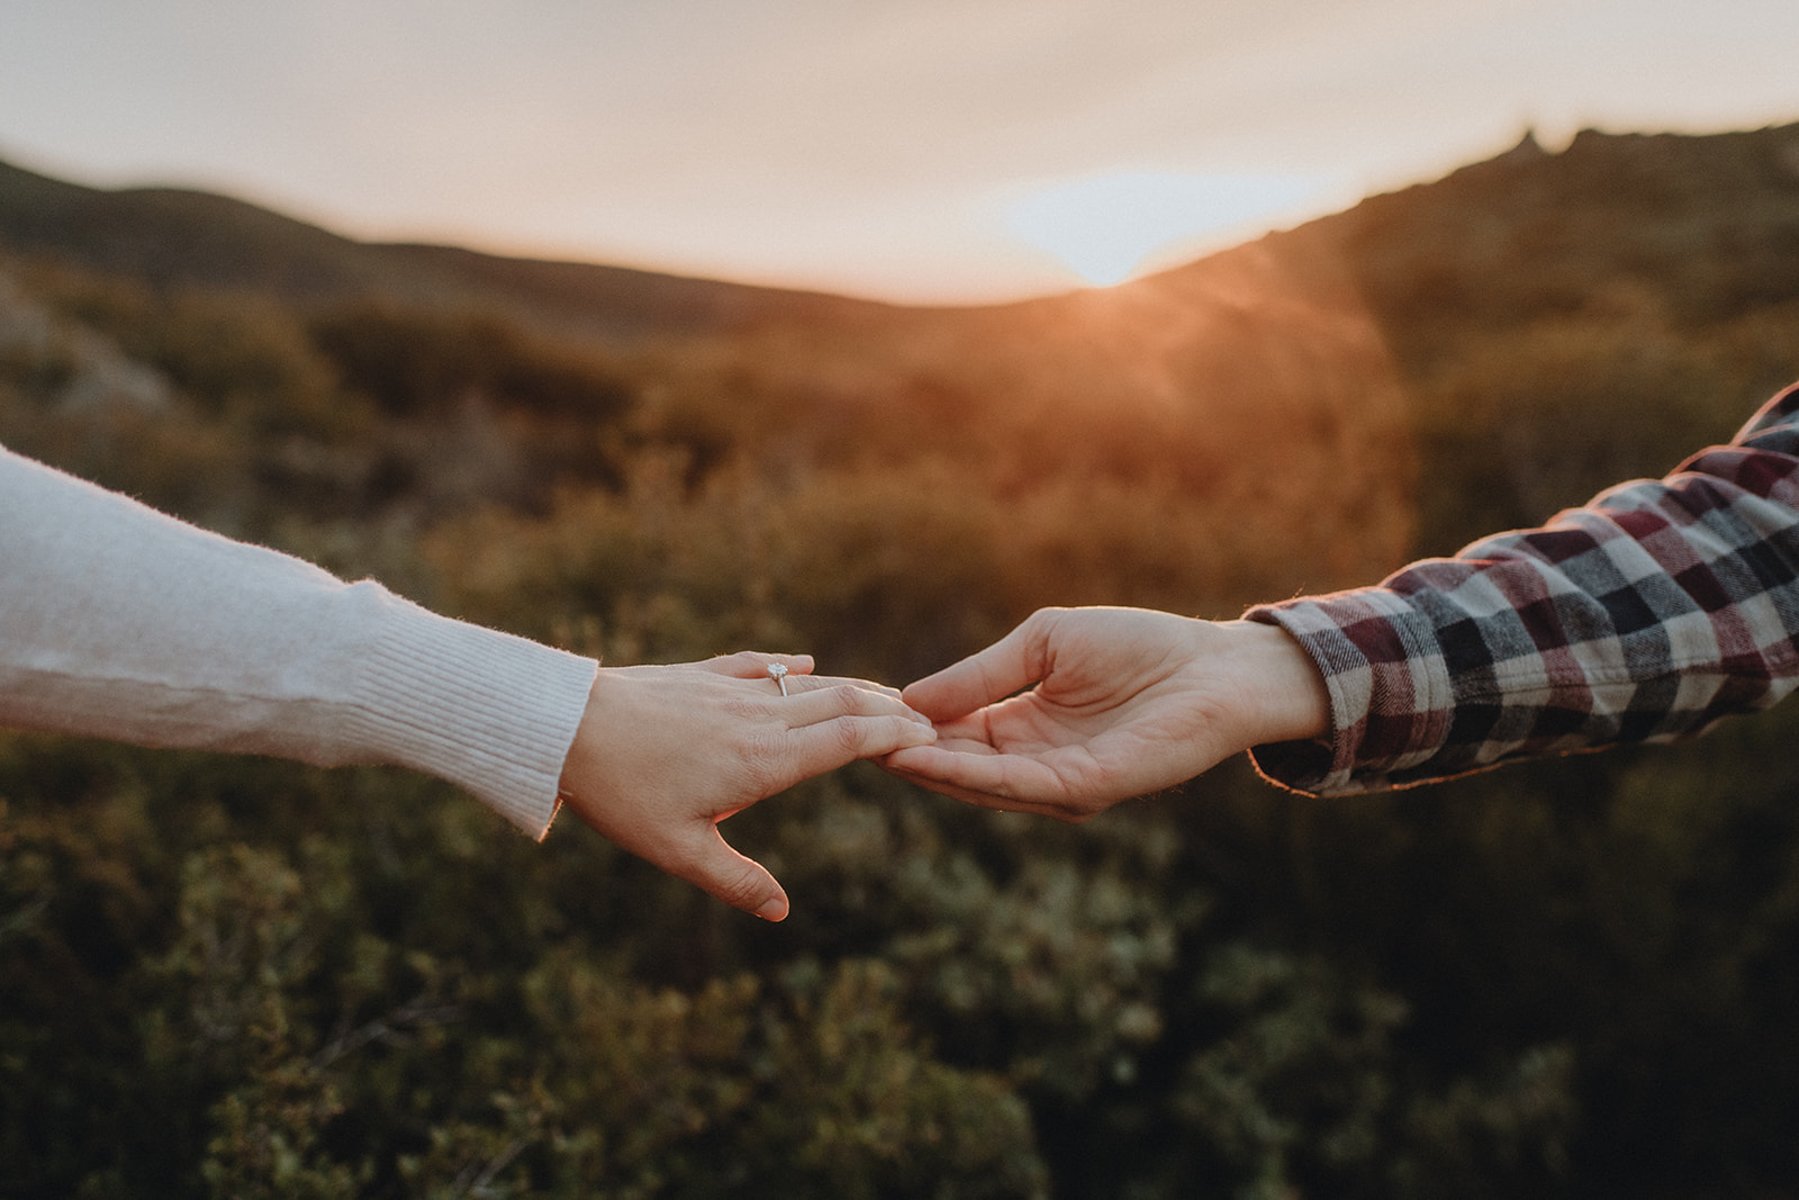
x: 1124, y: 704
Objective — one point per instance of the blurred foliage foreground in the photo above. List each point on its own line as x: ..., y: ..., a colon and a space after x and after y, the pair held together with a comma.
x: 243, y: 978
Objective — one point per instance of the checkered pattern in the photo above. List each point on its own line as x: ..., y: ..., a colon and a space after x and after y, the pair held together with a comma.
x: 1648, y: 614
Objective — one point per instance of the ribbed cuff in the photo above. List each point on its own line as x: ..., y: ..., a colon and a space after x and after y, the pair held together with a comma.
x: 492, y: 713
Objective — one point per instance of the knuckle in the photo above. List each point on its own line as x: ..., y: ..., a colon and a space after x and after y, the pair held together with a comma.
x: 846, y: 735
x: 763, y: 756
x: 741, y: 886
x: 741, y: 706
x: 684, y: 858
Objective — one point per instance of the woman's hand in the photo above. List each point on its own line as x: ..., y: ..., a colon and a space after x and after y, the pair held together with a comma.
x: 1126, y: 701
x: 664, y: 753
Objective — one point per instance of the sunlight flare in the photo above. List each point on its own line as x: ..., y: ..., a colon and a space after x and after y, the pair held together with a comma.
x: 1110, y: 227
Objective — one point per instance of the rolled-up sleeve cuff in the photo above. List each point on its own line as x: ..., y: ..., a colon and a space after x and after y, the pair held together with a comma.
x: 1390, y: 693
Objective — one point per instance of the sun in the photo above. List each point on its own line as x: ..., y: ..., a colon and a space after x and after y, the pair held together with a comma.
x: 1108, y: 227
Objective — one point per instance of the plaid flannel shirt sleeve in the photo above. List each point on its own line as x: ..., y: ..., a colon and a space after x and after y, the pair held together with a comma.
x: 1646, y: 615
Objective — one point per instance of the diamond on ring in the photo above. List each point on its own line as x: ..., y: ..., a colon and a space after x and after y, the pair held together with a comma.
x: 778, y: 673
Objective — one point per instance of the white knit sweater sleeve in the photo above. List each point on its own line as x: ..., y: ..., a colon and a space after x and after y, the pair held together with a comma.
x: 119, y: 622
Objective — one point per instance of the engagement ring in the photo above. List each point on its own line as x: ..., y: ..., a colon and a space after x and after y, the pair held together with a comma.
x: 778, y: 673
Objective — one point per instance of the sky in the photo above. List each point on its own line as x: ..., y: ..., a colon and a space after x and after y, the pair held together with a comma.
x: 914, y: 150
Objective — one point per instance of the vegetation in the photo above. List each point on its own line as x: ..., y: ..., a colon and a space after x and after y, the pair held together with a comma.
x: 244, y: 978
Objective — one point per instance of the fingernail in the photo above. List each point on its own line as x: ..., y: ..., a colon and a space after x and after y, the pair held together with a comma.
x: 773, y: 909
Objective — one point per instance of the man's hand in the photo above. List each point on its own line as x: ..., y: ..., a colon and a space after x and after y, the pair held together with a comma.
x: 1125, y: 701
x: 664, y: 754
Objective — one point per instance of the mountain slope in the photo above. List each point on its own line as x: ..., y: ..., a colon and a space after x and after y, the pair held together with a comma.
x: 174, y: 236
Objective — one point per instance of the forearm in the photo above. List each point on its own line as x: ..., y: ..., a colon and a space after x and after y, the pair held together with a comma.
x: 1648, y: 614
x: 119, y: 622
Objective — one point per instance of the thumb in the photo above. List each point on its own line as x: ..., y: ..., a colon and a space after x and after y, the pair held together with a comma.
x: 1016, y: 661
x: 741, y: 882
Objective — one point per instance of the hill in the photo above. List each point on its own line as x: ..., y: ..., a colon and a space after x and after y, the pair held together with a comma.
x: 1564, y: 321
x: 170, y: 237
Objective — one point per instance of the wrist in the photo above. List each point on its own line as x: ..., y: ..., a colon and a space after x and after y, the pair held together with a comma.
x: 1285, y: 697
x: 576, y: 766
